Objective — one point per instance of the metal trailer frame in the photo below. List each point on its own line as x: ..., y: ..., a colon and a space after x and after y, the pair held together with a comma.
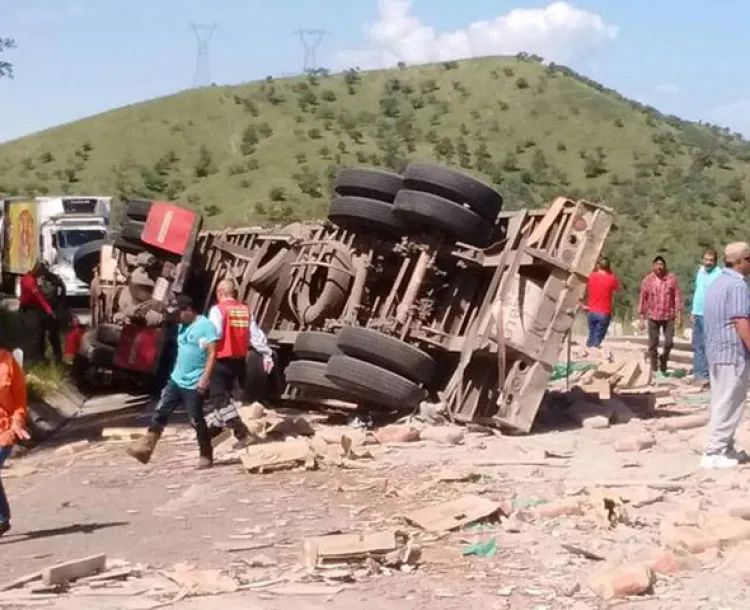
x: 495, y: 320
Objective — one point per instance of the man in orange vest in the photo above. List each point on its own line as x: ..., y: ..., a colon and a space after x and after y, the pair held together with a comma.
x: 234, y: 325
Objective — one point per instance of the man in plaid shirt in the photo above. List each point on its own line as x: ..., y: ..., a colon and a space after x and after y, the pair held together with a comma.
x: 660, y: 308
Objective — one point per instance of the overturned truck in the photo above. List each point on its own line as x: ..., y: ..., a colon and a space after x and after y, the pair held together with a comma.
x: 417, y: 288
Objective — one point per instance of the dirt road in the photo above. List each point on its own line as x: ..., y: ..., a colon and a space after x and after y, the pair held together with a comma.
x: 72, y: 501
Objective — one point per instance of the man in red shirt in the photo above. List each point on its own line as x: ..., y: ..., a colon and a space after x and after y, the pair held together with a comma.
x: 601, y: 288
x: 36, y: 312
x: 660, y: 308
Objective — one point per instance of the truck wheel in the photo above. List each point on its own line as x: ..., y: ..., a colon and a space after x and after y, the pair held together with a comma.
x: 454, y: 186
x: 130, y: 246
x: 381, y: 386
x: 369, y: 183
x: 86, y: 259
x: 137, y: 209
x: 365, y: 215
x: 315, y: 345
x: 427, y: 210
x: 132, y: 229
x: 310, y: 375
x: 387, y: 352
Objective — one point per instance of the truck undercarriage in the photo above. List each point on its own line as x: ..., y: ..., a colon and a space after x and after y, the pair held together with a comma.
x: 417, y: 288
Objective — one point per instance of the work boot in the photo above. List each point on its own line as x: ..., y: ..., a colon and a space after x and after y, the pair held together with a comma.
x: 205, y: 448
x: 4, y: 527
x: 142, y: 448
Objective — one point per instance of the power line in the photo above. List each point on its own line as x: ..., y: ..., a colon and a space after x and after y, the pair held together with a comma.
x: 203, y: 35
x: 311, y: 40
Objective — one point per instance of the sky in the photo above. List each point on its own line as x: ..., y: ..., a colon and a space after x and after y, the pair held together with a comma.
x: 75, y: 58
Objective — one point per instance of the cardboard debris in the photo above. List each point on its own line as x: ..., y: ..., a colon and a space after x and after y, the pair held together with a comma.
x: 454, y: 514
x: 281, y: 454
x: 343, y: 548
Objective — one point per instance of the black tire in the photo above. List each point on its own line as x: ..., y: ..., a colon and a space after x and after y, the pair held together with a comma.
x: 310, y: 376
x: 433, y: 211
x: 365, y: 215
x: 132, y: 229
x: 131, y: 246
x: 137, y: 209
x: 315, y: 346
x: 86, y: 259
x: 454, y: 186
x: 369, y: 183
x: 108, y: 334
x: 381, y: 386
x: 386, y: 352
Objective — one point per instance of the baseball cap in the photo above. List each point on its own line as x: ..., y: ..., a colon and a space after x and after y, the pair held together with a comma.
x: 183, y: 303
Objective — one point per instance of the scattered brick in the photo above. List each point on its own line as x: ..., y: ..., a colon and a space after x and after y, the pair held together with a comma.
x: 686, y: 538
x: 557, y: 508
x: 623, y: 581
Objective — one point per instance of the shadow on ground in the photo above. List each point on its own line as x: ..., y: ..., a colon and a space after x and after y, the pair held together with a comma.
x: 76, y: 528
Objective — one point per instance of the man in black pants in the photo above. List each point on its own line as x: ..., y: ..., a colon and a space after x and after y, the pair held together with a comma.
x: 660, y: 309
x: 236, y: 330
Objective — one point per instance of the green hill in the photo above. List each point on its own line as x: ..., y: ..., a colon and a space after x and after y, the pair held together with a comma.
x: 270, y: 149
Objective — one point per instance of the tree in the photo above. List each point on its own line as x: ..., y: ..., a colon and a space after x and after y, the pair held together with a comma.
x: 6, y: 68
x: 205, y: 166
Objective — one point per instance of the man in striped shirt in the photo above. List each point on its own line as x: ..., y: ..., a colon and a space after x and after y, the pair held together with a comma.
x: 726, y: 317
x: 660, y: 309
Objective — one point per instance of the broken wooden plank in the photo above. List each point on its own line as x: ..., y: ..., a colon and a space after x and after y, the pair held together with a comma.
x: 72, y: 570
x: 347, y: 547
x: 454, y: 514
x: 276, y: 455
x: 238, y: 546
x: 21, y: 581
x: 124, y: 434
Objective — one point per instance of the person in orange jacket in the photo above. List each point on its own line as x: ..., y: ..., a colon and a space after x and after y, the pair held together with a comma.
x: 13, y: 408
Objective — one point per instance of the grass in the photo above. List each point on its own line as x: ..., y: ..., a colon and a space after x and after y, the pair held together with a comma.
x: 268, y: 150
x: 41, y: 378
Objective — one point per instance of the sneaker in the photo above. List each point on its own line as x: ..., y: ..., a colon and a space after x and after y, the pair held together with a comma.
x: 4, y: 528
x: 718, y: 462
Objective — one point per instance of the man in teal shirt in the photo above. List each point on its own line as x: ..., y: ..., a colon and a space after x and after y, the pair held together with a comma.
x: 707, y: 273
x: 187, y: 385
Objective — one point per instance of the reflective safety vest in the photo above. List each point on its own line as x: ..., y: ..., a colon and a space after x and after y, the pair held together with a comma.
x: 235, y: 338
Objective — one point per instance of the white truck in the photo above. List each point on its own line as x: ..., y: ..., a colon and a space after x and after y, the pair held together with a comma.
x: 50, y: 229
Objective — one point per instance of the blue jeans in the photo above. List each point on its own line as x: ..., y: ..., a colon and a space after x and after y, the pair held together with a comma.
x: 4, y: 507
x: 173, y: 396
x: 598, y: 325
x: 700, y: 362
